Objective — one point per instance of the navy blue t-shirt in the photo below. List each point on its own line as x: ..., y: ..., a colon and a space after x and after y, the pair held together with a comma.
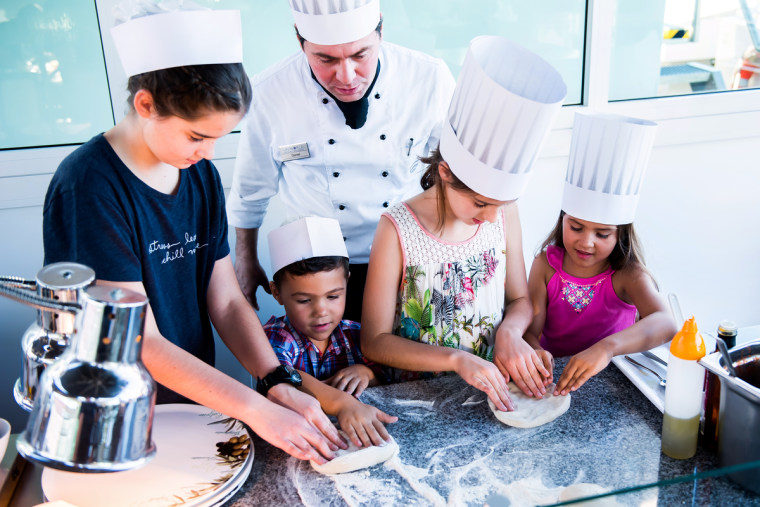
x: 98, y: 213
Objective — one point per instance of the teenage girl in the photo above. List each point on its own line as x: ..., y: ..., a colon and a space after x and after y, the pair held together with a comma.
x: 144, y: 207
x: 447, y: 284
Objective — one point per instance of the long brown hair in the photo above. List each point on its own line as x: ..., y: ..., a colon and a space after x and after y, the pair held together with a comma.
x: 433, y: 177
x: 627, y: 251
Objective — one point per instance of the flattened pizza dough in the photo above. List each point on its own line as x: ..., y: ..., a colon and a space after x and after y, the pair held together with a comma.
x: 532, y: 412
x: 356, y: 458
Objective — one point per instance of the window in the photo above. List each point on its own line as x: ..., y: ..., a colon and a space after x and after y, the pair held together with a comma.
x: 53, y: 85
x: 679, y: 47
x: 61, y: 81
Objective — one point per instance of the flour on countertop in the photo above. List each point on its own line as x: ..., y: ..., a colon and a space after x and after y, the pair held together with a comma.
x: 415, y: 403
x: 475, y: 399
x: 413, y: 476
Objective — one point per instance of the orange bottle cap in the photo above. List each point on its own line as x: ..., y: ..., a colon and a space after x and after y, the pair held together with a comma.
x: 688, y: 343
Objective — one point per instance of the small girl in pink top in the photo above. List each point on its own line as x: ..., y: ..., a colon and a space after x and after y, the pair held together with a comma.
x: 592, y: 296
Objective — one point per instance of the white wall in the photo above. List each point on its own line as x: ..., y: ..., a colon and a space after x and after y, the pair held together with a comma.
x: 698, y: 216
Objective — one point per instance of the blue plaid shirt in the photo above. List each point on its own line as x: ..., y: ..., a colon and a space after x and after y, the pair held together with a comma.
x: 297, y: 351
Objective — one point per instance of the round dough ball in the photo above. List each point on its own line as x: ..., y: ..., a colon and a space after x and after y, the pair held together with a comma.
x: 532, y: 412
x: 584, y: 489
x: 355, y: 458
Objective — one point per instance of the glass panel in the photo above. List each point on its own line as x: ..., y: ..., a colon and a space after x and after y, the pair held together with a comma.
x: 552, y: 28
x: 680, y: 47
x: 53, y: 86
x: 54, y: 89
x: 695, y: 485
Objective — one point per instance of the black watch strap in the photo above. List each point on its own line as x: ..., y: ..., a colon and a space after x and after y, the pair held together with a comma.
x: 282, y: 374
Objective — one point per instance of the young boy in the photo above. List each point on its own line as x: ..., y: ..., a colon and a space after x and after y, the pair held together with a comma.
x: 310, y: 265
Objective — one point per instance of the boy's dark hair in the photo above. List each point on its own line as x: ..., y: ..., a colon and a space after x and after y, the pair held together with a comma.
x: 627, y: 250
x: 378, y: 29
x: 190, y: 92
x: 311, y: 265
x: 432, y: 177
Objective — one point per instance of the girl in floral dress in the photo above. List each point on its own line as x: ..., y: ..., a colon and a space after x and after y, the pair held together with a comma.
x: 436, y: 293
x: 592, y: 295
x: 446, y: 285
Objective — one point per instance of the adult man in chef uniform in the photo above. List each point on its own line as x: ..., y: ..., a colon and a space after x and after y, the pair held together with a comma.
x: 337, y: 129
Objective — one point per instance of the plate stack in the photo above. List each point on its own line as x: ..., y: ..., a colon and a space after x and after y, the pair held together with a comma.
x: 202, y: 459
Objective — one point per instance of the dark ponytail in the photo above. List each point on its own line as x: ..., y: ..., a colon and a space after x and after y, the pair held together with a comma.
x: 190, y: 92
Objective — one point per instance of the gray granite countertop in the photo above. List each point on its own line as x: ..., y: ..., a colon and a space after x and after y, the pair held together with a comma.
x: 454, y: 451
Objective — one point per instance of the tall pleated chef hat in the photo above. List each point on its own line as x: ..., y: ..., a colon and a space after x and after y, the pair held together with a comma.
x: 303, y: 239
x: 504, y: 104
x: 160, y: 34
x: 329, y: 22
x: 608, y: 158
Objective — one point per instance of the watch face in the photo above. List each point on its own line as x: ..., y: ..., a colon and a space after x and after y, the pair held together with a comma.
x: 295, y: 377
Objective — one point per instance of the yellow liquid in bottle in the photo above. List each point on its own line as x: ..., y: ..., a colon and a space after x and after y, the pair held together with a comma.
x: 679, y: 436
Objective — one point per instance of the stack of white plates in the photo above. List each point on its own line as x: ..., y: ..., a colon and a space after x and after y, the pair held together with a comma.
x: 202, y: 459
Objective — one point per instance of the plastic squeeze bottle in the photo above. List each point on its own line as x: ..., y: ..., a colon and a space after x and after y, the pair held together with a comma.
x: 683, y: 393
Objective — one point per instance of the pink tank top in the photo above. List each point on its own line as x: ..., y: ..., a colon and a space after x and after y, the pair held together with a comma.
x: 581, y: 311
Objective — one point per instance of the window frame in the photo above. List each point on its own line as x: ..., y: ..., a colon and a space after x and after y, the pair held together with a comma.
x: 685, y: 119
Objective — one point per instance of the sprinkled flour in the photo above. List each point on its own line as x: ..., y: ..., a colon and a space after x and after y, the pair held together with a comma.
x: 475, y: 399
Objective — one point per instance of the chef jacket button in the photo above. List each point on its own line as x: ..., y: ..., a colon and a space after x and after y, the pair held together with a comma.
x: 377, y: 95
x: 382, y: 137
x: 336, y: 174
x: 385, y: 174
x: 331, y: 141
x: 341, y: 207
x: 385, y: 204
x: 344, y: 238
x: 325, y: 101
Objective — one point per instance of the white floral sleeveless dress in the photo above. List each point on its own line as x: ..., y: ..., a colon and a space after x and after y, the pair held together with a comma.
x: 451, y: 294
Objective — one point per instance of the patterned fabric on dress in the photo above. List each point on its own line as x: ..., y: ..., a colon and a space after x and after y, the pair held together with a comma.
x: 577, y: 295
x: 451, y: 294
x: 580, y: 311
x: 296, y: 350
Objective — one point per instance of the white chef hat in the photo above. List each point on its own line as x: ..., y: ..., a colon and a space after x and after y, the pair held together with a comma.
x: 161, y: 34
x: 608, y: 159
x: 303, y: 239
x: 329, y: 22
x: 503, y: 107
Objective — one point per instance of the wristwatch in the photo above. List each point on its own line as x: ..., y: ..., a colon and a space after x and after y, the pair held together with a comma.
x: 281, y: 374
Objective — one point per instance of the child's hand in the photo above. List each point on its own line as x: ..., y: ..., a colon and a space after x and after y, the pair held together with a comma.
x: 309, y: 408
x: 582, y: 366
x: 484, y: 375
x: 519, y: 362
x: 353, y: 379
x: 292, y: 433
x: 548, y: 360
x: 364, y: 424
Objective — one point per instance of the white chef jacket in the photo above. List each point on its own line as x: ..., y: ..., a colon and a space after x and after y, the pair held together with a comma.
x: 351, y: 175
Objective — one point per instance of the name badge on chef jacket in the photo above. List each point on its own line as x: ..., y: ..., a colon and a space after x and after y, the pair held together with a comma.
x: 294, y: 151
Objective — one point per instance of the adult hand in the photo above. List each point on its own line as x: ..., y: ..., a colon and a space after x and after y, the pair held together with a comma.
x: 250, y: 276
x: 364, y: 424
x: 518, y: 361
x: 483, y: 375
x: 582, y: 366
x: 292, y: 433
x: 308, y: 407
x: 353, y: 379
